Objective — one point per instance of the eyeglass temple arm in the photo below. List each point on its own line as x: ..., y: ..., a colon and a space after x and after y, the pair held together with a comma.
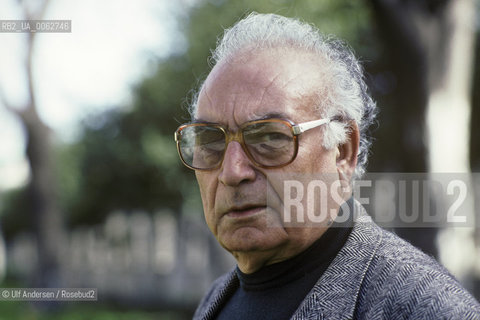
x: 302, y: 127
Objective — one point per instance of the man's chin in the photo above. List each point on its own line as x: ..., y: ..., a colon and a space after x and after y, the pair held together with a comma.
x: 247, y: 239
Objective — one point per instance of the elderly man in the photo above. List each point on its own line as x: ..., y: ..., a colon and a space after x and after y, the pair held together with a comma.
x: 283, y: 104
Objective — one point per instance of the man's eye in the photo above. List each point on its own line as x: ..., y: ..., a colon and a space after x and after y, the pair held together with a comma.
x: 209, y: 138
x: 277, y: 136
x: 269, y: 140
x: 213, y: 146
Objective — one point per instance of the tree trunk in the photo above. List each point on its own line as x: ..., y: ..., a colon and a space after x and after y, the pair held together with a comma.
x: 42, y: 187
x: 448, y: 123
x: 42, y: 192
x: 429, y: 44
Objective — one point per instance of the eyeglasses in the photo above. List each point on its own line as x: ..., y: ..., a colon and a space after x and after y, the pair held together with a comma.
x: 269, y: 143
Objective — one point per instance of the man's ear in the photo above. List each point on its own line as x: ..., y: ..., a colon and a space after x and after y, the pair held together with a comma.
x: 347, y: 152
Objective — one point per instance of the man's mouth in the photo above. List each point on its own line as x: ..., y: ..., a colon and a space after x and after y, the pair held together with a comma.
x: 246, y: 211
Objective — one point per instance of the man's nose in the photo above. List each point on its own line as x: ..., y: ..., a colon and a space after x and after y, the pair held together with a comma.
x: 236, y: 167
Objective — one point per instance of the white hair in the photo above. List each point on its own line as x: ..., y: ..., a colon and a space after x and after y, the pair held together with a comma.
x: 344, y: 95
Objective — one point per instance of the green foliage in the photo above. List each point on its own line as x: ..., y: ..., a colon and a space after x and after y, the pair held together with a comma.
x: 127, y: 159
x: 15, y: 212
x: 347, y: 19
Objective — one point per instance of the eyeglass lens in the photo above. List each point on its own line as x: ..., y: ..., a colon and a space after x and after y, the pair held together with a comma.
x: 268, y: 143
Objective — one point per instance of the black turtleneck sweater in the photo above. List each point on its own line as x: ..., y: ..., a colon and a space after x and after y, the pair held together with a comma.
x: 276, y: 291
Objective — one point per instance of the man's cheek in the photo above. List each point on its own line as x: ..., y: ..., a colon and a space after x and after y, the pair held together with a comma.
x: 207, y: 191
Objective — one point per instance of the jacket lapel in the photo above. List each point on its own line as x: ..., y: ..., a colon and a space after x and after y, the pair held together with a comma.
x: 335, y: 294
x: 219, y: 296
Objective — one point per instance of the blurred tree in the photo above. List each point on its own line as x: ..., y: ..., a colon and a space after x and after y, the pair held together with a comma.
x: 126, y: 158
x: 429, y: 52
x: 474, y: 132
x: 40, y: 196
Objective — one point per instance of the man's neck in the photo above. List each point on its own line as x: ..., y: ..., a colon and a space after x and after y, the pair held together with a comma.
x: 252, y: 261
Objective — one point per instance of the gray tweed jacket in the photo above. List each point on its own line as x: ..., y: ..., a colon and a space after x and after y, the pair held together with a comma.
x: 376, y: 275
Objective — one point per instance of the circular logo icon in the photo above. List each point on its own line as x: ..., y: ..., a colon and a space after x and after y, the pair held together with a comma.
x: 5, y: 293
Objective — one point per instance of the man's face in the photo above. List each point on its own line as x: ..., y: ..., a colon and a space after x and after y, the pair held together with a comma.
x: 279, y: 82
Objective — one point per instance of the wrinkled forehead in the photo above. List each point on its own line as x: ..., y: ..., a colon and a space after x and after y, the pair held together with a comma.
x: 254, y: 84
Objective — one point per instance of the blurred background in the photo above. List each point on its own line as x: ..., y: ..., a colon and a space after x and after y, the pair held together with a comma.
x: 92, y: 193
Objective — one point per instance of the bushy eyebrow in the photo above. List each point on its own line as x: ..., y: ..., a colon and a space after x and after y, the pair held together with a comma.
x: 198, y: 120
x: 273, y: 115
x: 270, y: 115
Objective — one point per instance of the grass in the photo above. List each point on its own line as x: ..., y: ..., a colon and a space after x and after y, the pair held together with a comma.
x: 12, y: 310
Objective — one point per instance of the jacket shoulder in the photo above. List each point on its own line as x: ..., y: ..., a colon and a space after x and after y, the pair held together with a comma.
x: 403, y: 282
